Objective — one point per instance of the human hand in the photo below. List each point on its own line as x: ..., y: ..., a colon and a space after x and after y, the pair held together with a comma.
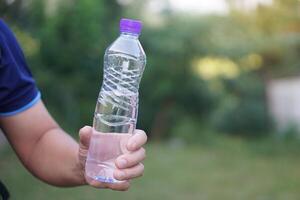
x: 128, y: 165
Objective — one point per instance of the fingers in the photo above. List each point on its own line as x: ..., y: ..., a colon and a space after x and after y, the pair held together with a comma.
x: 128, y: 165
x: 129, y: 173
x: 131, y: 159
x: 137, y: 140
x: 122, y: 186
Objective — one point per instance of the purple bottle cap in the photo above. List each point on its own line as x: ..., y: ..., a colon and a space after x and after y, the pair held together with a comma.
x: 130, y: 26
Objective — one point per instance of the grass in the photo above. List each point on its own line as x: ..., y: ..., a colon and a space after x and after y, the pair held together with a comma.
x: 227, y: 169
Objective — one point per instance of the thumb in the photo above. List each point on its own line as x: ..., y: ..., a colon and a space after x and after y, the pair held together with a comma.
x: 85, y: 134
x: 84, y: 141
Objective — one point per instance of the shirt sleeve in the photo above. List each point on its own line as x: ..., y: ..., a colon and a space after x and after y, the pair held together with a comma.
x: 18, y: 90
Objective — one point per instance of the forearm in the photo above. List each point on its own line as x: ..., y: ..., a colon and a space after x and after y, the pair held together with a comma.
x: 45, y: 149
x: 54, y: 159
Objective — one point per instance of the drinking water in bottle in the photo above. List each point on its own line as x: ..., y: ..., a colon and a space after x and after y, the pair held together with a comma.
x: 117, y: 106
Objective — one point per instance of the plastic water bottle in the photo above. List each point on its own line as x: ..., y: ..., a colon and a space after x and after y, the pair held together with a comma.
x: 117, y: 106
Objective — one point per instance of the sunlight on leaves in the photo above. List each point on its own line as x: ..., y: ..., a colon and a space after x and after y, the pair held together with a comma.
x: 251, y: 62
x: 213, y: 67
x: 30, y: 45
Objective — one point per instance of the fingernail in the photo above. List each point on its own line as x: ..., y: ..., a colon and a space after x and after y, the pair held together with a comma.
x: 122, y: 163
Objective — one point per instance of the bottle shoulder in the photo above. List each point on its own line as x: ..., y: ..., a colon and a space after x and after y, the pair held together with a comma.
x: 128, y: 46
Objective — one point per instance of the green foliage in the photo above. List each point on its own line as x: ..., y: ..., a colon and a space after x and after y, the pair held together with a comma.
x: 68, y: 67
x: 241, y: 110
x: 169, y: 89
x: 65, y: 49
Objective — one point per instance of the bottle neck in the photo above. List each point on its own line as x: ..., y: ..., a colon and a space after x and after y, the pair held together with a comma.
x: 130, y: 35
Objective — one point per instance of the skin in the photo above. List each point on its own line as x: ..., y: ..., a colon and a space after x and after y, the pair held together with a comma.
x: 53, y: 156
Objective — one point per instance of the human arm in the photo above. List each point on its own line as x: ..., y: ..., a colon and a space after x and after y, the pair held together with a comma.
x: 56, y: 158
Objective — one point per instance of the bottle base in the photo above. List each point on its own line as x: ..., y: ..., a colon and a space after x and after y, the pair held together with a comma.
x: 105, y: 179
x: 103, y: 151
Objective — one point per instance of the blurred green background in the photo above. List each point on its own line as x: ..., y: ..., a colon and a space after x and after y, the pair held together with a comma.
x: 203, y: 97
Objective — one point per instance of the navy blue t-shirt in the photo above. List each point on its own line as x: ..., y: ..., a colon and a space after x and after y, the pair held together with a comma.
x: 18, y: 90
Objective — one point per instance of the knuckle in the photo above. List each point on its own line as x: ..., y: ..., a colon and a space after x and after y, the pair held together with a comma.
x: 142, y: 167
x: 145, y: 135
x: 143, y: 152
x: 140, y: 172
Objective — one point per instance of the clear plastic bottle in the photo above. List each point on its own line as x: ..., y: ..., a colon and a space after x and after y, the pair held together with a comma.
x: 117, y: 106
